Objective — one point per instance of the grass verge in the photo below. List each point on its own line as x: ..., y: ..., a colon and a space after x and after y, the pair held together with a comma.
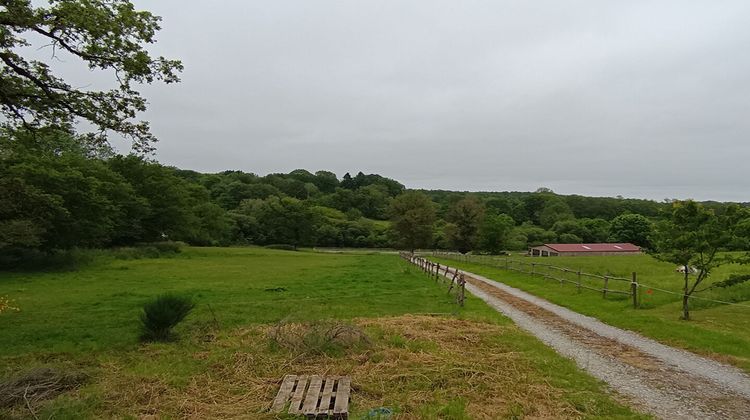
x: 720, y: 332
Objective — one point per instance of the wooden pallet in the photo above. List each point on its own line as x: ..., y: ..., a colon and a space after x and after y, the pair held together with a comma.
x: 314, y: 396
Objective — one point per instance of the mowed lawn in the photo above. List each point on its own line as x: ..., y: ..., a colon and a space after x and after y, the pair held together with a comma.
x: 718, y: 330
x: 425, y: 358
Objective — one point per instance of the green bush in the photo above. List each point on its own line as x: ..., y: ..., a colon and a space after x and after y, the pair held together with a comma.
x: 148, y: 250
x: 36, y: 260
x: 162, y: 314
x: 135, y: 253
x: 283, y: 247
x: 168, y: 247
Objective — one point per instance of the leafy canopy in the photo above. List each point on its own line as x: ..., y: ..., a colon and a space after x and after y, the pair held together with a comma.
x: 466, y: 217
x: 105, y: 35
x: 693, y: 236
x: 413, y: 216
x: 494, y: 232
x: 631, y: 227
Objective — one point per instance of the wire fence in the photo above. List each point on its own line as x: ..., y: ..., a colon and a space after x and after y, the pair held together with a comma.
x: 441, y: 272
x: 607, y: 285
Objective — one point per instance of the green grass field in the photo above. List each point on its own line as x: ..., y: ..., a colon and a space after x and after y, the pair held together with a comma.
x: 450, y: 364
x: 720, y: 331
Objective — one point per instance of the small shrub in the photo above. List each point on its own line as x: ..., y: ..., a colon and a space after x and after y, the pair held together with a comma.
x: 55, y: 260
x: 168, y: 247
x: 135, y: 253
x: 148, y: 250
x: 162, y: 314
x: 283, y: 247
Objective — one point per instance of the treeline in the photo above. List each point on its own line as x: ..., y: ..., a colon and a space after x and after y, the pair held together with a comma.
x: 496, y: 221
x: 60, y: 192
x: 493, y: 222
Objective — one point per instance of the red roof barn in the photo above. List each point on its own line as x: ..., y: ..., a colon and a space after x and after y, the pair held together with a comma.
x: 570, y: 250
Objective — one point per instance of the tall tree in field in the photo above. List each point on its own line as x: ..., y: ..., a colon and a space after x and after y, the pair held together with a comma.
x: 693, y: 236
x: 466, y: 217
x: 103, y: 35
x: 413, y: 215
x: 494, y: 231
x: 289, y: 221
x: 633, y: 228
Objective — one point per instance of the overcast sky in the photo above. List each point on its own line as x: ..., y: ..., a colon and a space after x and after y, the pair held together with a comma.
x: 637, y: 98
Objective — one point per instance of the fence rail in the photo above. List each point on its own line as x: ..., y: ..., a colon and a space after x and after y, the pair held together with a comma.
x: 562, y: 275
x: 433, y: 269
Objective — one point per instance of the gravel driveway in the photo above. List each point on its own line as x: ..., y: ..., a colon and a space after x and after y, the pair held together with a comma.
x: 661, y: 380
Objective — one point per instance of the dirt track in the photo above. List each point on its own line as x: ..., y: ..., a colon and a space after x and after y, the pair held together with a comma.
x: 666, y: 382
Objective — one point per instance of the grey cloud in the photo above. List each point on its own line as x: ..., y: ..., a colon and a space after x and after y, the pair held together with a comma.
x: 639, y: 98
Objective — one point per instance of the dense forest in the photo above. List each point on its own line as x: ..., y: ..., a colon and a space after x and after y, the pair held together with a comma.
x: 59, y: 191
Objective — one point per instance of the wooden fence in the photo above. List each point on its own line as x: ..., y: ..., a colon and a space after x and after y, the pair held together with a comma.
x: 457, y: 278
x: 563, y: 275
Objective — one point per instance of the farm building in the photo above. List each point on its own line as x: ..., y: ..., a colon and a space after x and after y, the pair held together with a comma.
x: 571, y: 250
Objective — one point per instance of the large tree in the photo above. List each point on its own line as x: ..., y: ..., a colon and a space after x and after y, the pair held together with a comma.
x: 277, y: 220
x: 630, y: 227
x: 412, y: 215
x: 104, y: 35
x: 466, y: 217
x: 494, y: 232
x: 693, y: 236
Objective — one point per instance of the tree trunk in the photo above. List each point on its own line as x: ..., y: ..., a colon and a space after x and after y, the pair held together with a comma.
x: 685, y: 309
x: 686, y: 297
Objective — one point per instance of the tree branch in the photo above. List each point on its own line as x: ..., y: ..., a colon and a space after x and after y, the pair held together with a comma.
x: 71, y: 49
x: 6, y: 57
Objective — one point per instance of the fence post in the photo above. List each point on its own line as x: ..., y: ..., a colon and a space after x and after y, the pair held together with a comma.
x: 606, y: 283
x: 634, y: 290
x: 532, y: 269
x: 461, y: 290
x: 454, y: 279
x: 578, y: 281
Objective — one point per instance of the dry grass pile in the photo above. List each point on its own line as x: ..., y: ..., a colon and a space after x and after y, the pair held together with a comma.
x: 315, y: 338
x: 417, y: 365
x: 35, y: 386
